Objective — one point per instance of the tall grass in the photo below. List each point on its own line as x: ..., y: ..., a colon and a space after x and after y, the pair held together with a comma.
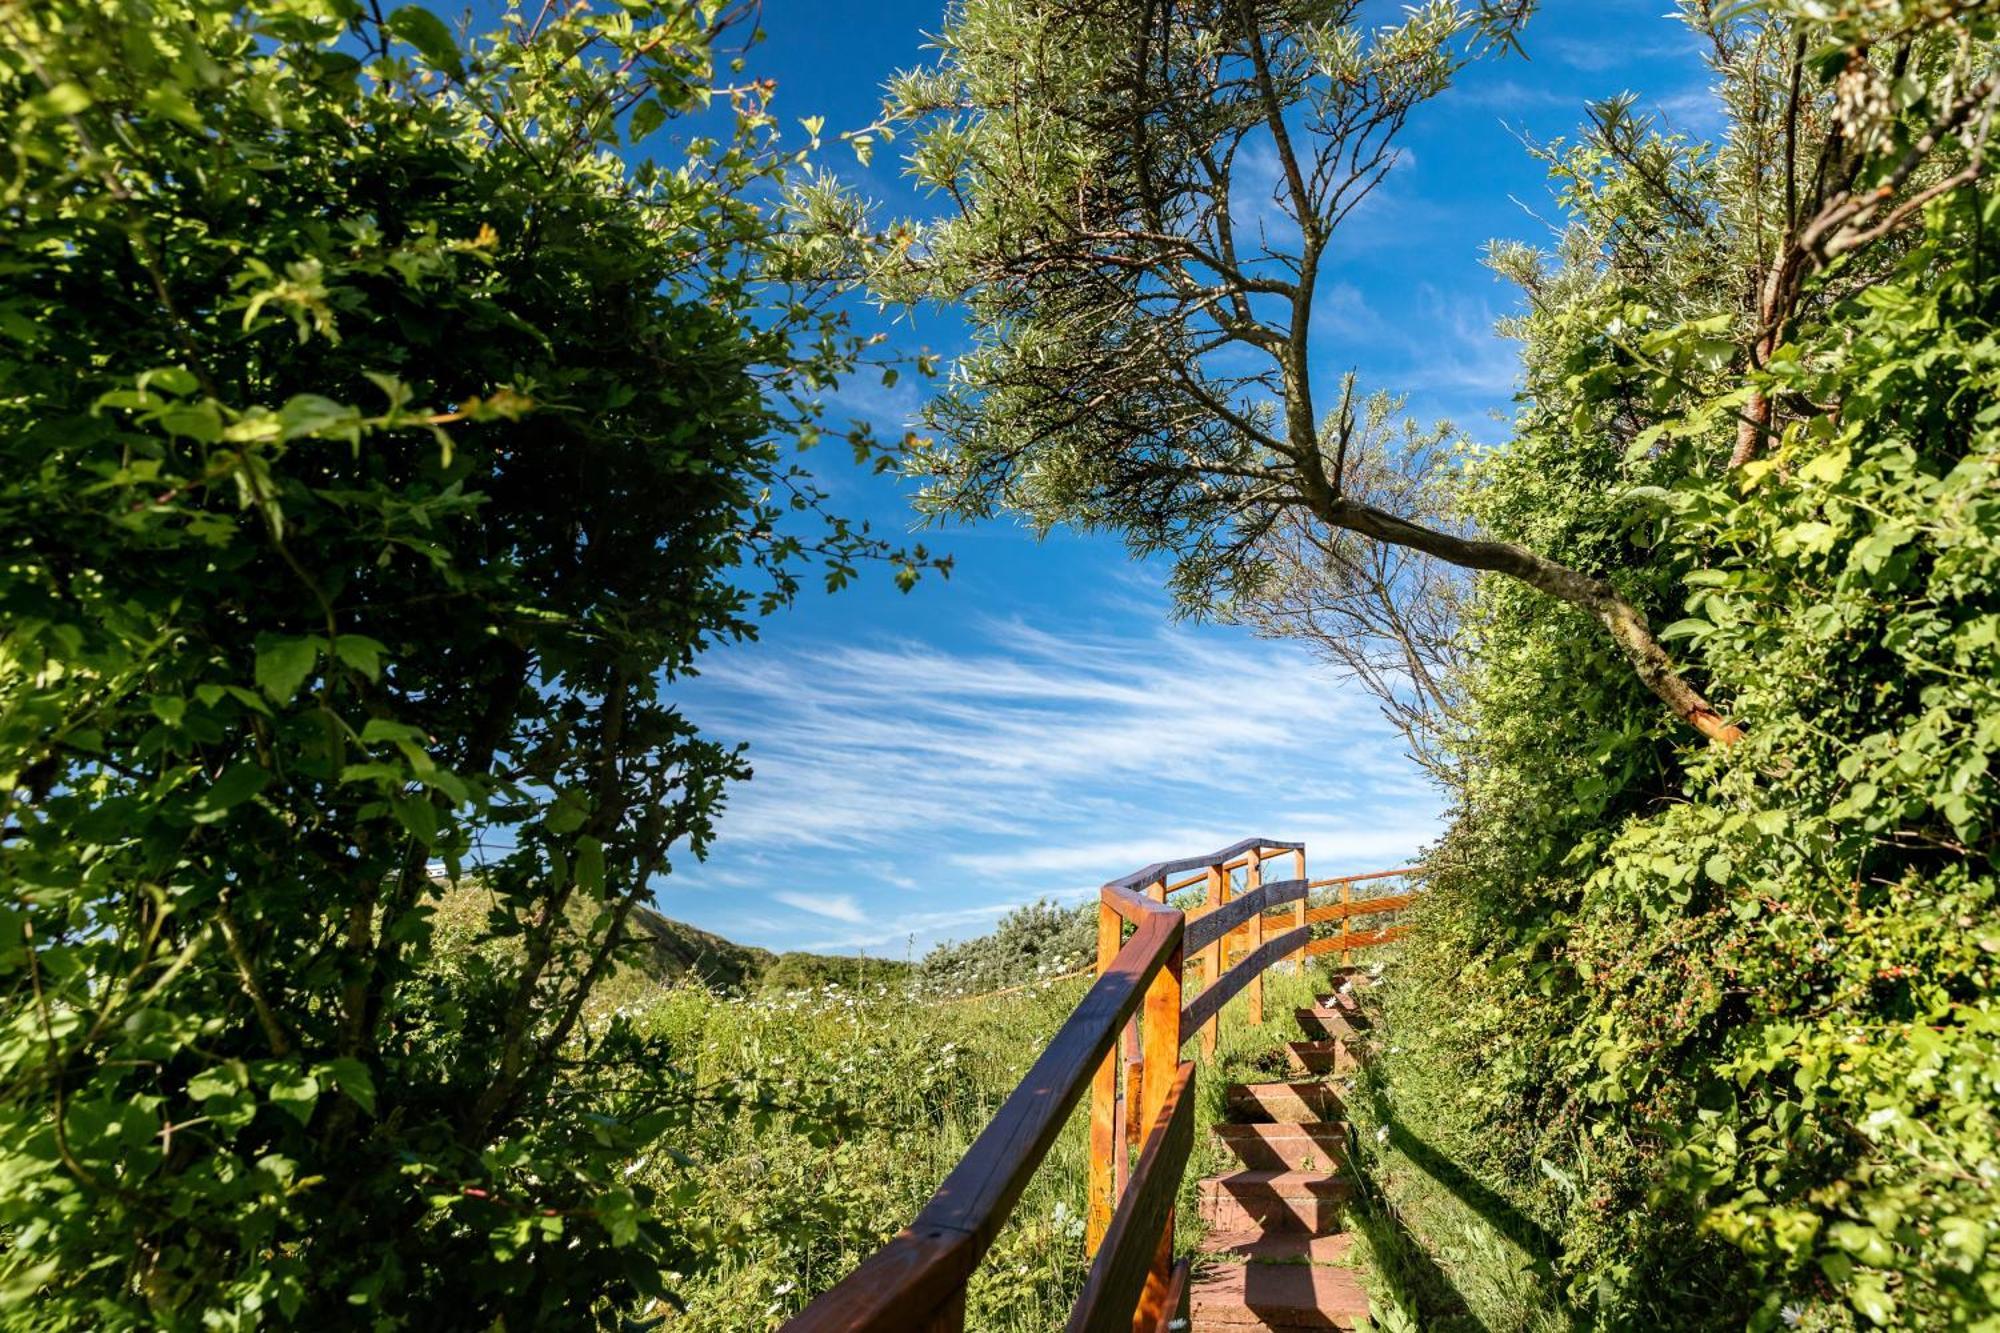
x: 792, y: 1207
x: 1445, y: 1254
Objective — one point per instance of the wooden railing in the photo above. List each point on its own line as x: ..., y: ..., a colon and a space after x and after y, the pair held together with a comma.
x: 1141, y: 1097
x: 1348, y: 906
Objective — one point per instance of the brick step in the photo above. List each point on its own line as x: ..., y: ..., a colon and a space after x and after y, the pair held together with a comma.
x: 1293, y: 1103
x: 1307, y: 1201
x: 1324, y: 1020
x: 1331, y: 1056
x: 1278, y: 1247
x: 1285, y: 1147
x: 1283, y: 1297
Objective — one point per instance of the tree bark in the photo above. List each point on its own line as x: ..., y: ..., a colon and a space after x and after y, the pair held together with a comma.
x: 1624, y: 621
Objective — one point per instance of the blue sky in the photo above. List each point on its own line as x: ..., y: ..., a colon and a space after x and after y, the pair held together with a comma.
x: 1037, y: 724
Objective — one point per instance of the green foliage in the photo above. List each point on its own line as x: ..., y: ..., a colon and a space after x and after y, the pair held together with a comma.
x: 1031, y: 943
x: 1717, y: 1025
x: 375, y: 445
x: 907, y: 1083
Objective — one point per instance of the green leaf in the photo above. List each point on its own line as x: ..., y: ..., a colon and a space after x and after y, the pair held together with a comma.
x: 238, y: 783
x: 648, y: 116
x: 295, y: 1093
x: 352, y: 1079
x: 67, y: 98
x: 216, y: 1082
x: 419, y: 816
x: 1828, y: 467
x: 360, y: 652
x: 309, y: 414
x: 284, y: 663
x: 428, y: 33
x: 590, y: 864
x: 566, y: 813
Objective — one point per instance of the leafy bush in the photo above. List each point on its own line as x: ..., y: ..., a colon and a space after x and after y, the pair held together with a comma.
x: 1033, y: 943
x: 1719, y: 1023
x: 375, y: 442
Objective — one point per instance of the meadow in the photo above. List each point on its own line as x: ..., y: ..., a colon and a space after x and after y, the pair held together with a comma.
x: 917, y: 1076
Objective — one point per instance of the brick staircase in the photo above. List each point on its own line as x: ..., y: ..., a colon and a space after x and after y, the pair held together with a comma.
x: 1276, y: 1257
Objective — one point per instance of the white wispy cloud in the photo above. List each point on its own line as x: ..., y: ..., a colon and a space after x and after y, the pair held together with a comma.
x: 936, y: 787
x: 833, y: 906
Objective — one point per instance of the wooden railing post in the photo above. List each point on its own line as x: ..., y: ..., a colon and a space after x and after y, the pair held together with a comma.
x: 1253, y: 879
x: 1101, y: 1196
x: 1162, y: 1034
x: 1211, y: 957
x: 1299, y: 906
x: 1346, y: 918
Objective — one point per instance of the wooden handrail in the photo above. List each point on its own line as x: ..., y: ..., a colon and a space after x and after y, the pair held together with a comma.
x: 1213, y: 925
x: 917, y: 1281
x: 1159, y: 870
x: 913, y: 1280
x: 1209, y: 1003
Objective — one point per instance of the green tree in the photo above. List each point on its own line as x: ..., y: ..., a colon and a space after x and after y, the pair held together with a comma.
x: 1142, y: 295
x: 1722, y: 1022
x: 381, y: 436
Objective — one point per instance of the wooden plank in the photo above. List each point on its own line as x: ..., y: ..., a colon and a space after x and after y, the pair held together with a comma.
x: 1212, y: 961
x: 1360, y: 939
x: 1346, y: 896
x: 904, y: 1285
x: 947, y: 1318
x: 1331, y: 880
x: 956, y: 1228
x: 1118, y: 1275
x: 1253, y: 875
x: 1174, y: 1319
x: 1162, y: 868
x: 1209, y: 1003
x: 1162, y: 1036
x: 1388, y: 902
x: 1135, y: 907
x: 1213, y: 925
x: 1101, y: 1190
x: 981, y: 1190
x: 1299, y: 904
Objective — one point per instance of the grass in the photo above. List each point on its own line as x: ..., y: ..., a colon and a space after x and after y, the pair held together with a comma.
x: 791, y: 1207
x: 1446, y: 1254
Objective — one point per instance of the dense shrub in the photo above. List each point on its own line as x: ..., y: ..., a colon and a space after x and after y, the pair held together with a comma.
x: 376, y: 443
x: 1033, y: 943
x: 1720, y: 1021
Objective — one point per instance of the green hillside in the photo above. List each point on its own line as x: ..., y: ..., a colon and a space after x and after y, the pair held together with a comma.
x: 679, y: 950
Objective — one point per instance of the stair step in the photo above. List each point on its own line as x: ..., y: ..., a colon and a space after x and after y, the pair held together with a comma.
x: 1276, y: 1296
x: 1285, y: 1147
x: 1331, y: 1021
x: 1307, y: 1201
x: 1294, y: 1103
x: 1278, y: 1247
x: 1319, y: 1057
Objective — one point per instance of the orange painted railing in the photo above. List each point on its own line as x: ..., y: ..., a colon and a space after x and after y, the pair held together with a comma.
x: 1141, y: 1097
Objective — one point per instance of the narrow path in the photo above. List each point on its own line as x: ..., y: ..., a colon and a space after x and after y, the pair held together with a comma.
x: 1278, y: 1255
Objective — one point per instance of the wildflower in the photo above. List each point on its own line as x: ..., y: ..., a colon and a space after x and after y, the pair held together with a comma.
x: 1381, y: 1133
x: 1793, y: 1315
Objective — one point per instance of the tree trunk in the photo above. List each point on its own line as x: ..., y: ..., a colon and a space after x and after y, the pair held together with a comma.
x: 1625, y: 622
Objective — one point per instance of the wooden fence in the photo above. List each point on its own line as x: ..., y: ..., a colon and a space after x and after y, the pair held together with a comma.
x: 1123, y: 1044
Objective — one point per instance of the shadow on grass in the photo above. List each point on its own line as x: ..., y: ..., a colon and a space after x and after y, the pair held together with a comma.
x: 1417, y: 1280
x: 1414, y: 1280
